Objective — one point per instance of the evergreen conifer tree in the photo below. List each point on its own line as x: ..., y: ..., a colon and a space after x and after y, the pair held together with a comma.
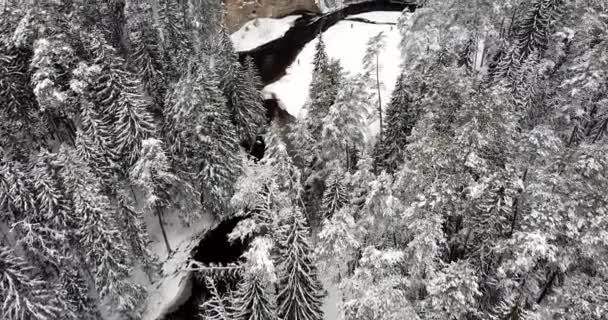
x: 216, y: 307
x: 99, y: 234
x: 300, y: 291
x: 202, y: 138
x: 323, y: 88
x: 334, y: 197
x: 152, y: 174
x: 401, y: 116
x: 24, y: 296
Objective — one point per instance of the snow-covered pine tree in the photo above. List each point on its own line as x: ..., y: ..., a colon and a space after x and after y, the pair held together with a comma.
x: 401, y: 116
x: 334, y: 197
x: 94, y: 143
x: 23, y: 294
x: 217, y: 307
x: 152, y: 173
x: 17, y: 197
x: 344, y: 127
x: 134, y: 226
x: 254, y: 299
x: 118, y: 95
x: 304, y: 144
x: 44, y: 232
x: 22, y: 127
x: 240, y: 84
x: 202, y: 138
x: 320, y: 60
x: 174, y: 33
x: 323, y: 88
x: 146, y: 56
x: 300, y: 291
x: 75, y: 290
x: 100, y: 246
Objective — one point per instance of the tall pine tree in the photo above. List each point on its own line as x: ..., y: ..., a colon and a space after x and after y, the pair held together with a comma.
x: 300, y: 291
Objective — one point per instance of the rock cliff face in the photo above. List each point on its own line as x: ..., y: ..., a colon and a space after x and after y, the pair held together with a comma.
x: 240, y: 11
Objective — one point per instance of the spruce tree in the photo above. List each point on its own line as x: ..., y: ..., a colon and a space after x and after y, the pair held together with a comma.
x: 174, y: 34
x: 334, y: 197
x: 323, y: 88
x: 254, y: 299
x: 146, y: 56
x: 118, y: 94
x: 240, y: 84
x: 216, y: 307
x: 23, y: 295
x: 202, y: 138
x: 401, y: 116
x: 300, y: 291
x: 99, y: 234
x: 153, y: 175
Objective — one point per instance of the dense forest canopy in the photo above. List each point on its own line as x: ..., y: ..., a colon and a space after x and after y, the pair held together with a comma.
x: 484, y: 195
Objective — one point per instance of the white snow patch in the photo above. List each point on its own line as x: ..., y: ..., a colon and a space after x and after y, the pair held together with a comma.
x: 260, y: 31
x: 379, y: 16
x: 174, y: 285
x: 331, y: 305
x: 345, y: 41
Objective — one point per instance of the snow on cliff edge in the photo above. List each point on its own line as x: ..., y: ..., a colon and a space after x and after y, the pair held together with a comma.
x: 345, y: 41
x: 260, y: 31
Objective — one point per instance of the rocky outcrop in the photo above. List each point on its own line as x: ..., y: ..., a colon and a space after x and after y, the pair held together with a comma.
x: 240, y: 11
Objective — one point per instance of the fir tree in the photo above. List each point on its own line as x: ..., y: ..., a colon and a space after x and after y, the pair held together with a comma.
x: 344, y: 127
x: 146, y: 54
x: 300, y: 291
x: 117, y: 92
x: 401, y: 117
x: 217, y: 307
x: 323, y: 88
x: 23, y: 295
x: 254, y: 298
x: 202, y: 138
x: 99, y: 234
x: 174, y: 34
x: 152, y: 174
x: 334, y: 197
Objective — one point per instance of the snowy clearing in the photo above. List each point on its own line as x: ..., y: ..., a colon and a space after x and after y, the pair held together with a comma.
x: 260, y: 31
x: 345, y: 41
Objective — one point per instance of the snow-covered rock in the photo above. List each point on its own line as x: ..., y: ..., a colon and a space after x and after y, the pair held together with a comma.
x: 260, y: 31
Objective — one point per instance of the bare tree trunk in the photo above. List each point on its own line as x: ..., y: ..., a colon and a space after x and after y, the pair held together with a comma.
x: 162, y: 229
x: 379, y: 95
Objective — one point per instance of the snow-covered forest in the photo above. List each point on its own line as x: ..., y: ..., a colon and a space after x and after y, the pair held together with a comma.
x: 452, y: 165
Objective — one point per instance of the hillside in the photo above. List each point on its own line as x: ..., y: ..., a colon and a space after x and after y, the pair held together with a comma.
x: 262, y: 160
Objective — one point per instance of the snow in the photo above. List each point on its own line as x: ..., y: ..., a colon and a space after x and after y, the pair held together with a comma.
x: 379, y: 16
x: 173, y: 288
x: 260, y: 31
x: 331, y: 305
x: 345, y: 41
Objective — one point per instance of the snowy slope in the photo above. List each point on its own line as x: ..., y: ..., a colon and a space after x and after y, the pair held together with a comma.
x: 173, y: 287
x: 260, y: 31
x: 347, y: 42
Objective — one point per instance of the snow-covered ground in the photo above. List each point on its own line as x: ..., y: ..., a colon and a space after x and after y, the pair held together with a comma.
x: 345, y: 41
x: 173, y: 287
x: 260, y: 31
